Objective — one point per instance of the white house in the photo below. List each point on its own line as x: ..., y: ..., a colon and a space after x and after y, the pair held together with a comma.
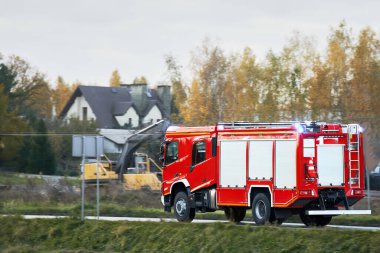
x: 81, y: 110
x: 128, y: 106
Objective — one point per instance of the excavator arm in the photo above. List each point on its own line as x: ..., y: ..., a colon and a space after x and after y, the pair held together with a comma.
x: 155, y: 131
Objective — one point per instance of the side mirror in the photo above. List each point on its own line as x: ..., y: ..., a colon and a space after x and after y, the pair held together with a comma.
x: 162, y: 160
x: 162, y: 154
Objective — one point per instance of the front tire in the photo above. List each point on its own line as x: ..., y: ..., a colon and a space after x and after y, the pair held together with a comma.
x: 261, y: 209
x: 182, y: 210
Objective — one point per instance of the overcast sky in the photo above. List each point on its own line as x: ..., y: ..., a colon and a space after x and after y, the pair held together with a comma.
x: 86, y: 40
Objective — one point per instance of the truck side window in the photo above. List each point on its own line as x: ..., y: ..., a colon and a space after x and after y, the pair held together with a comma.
x: 199, y: 152
x: 171, y: 152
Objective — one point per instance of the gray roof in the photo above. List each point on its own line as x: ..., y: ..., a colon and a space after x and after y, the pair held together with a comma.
x: 118, y: 136
x: 108, y: 102
x: 120, y: 107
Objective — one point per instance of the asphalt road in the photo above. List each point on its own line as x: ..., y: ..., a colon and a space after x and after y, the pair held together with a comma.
x: 134, y: 219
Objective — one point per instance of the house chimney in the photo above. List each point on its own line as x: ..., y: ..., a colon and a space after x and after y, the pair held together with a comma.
x: 138, y: 94
x: 166, y: 97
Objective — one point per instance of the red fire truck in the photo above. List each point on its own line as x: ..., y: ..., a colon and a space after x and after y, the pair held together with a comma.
x: 312, y: 169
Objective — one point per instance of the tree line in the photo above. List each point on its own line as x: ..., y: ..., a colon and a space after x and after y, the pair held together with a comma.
x: 340, y: 84
x: 28, y: 109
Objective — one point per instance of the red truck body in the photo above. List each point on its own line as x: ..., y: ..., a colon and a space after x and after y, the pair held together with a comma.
x: 275, y: 169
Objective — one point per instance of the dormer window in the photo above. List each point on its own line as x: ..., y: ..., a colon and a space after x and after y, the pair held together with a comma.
x: 84, y: 113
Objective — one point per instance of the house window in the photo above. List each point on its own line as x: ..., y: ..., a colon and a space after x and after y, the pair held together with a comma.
x: 151, y: 121
x: 84, y: 113
x: 130, y: 121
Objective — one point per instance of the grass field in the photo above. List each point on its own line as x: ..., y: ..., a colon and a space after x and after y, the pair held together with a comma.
x: 38, y: 197
x: 35, y: 196
x: 17, y: 179
x: 71, y: 235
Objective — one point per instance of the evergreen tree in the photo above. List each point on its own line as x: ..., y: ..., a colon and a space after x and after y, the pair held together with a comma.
x: 41, y: 157
x: 10, y: 124
x: 7, y: 78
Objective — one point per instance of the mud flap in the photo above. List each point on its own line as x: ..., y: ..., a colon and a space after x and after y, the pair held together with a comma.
x: 192, y: 200
x: 166, y: 200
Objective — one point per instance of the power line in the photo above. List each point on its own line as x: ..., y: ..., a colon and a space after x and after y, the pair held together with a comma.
x: 69, y: 134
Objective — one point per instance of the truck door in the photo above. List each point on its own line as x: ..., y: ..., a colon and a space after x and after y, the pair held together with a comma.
x: 200, y: 158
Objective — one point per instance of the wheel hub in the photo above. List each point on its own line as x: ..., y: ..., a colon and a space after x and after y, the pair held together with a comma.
x: 181, y: 207
x: 260, y: 209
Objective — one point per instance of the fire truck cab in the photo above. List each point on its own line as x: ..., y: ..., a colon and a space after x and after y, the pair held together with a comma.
x: 312, y: 169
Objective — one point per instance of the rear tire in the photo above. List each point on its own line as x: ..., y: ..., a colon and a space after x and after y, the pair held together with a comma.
x: 276, y: 221
x: 261, y: 209
x: 313, y: 220
x: 182, y: 210
x: 323, y: 220
x: 235, y: 214
x: 273, y: 220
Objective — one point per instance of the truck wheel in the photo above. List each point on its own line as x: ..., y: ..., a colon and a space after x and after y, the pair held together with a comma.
x: 182, y: 210
x: 235, y: 214
x: 276, y: 221
x: 227, y: 213
x: 323, y: 220
x: 261, y: 209
x: 311, y: 220
x: 273, y: 220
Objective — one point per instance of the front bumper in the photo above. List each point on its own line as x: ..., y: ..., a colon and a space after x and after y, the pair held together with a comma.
x: 162, y: 200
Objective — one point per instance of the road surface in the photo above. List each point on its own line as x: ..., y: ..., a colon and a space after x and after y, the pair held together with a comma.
x: 107, y: 218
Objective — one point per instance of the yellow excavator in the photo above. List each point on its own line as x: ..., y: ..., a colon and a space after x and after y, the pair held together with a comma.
x: 105, y: 171
x: 141, y: 176
x: 137, y: 177
x: 133, y: 168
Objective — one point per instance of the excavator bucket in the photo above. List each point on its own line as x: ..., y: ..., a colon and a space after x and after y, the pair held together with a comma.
x: 139, y: 181
x: 105, y: 172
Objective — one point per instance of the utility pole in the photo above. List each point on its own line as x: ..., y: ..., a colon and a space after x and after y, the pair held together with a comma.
x: 82, y: 171
x: 97, y: 177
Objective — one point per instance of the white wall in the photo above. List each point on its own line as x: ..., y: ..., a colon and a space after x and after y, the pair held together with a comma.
x: 111, y: 147
x: 76, y: 110
x: 131, y: 113
x: 154, y: 114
